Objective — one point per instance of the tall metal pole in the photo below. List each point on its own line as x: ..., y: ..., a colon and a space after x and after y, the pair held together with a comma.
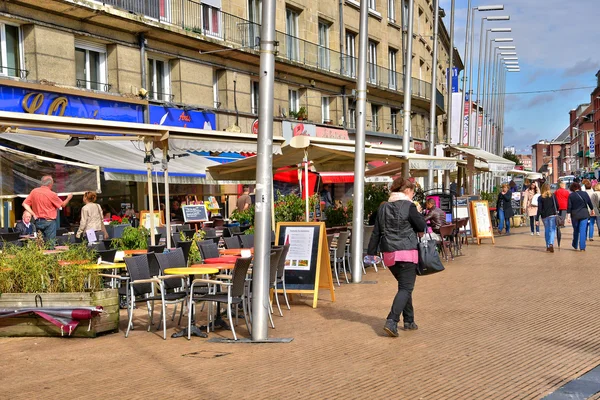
x: 450, y: 77
x: 485, y: 94
x: 148, y: 144
x: 468, y: 61
x: 359, y: 150
x: 479, y: 80
x: 470, y: 108
x: 167, y: 195
x: 432, y: 105
x: 264, y: 173
x: 408, y: 82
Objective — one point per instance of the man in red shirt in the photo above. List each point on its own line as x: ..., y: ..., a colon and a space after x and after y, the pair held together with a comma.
x: 562, y: 199
x: 43, y: 205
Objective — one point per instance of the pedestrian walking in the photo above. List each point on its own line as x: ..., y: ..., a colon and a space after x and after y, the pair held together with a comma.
x: 43, y: 204
x: 547, y: 211
x: 504, y: 208
x: 578, y: 212
x: 396, y: 235
x: 595, y: 198
x: 530, y: 204
x: 91, y: 216
x: 586, y: 186
x: 562, y: 198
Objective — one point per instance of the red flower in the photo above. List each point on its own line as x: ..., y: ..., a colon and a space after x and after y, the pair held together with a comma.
x: 116, y: 218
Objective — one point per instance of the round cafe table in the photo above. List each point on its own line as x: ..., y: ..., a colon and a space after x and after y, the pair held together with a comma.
x: 191, y: 271
x: 233, y: 252
x: 114, y: 266
x: 219, y: 267
x: 135, y: 252
x: 221, y: 260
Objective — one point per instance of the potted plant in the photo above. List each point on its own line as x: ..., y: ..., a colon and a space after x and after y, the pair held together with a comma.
x: 293, y: 114
x: 302, y: 114
x: 132, y: 239
x: 194, y: 257
x: 29, y: 278
x: 116, y: 226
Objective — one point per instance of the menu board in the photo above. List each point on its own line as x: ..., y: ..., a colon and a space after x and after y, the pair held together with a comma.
x: 194, y: 213
x: 159, y: 218
x: 515, y: 203
x: 481, y: 222
x: 307, y: 264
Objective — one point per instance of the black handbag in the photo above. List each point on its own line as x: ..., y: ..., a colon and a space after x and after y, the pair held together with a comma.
x: 429, y: 258
x: 560, y: 220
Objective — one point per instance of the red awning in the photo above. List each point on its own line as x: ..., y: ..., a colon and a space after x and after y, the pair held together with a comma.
x: 337, y: 177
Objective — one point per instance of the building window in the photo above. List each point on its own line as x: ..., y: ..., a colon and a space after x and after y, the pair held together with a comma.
x: 392, y: 10
x: 373, y: 5
x: 405, y: 15
x: 393, y: 74
x: 394, y: 125
x: 158, y: 80
x: 255, y: 17
x: 351, y: 54
x: 294, y: 100
x: 325, y: 101
x: 323, y: 61
x: 90, y: 66
x: 211, y: 21
x: 10, y: 60
x: 254, y: 94
x: 375, y: 117
x: 545, y: 151
x: 291, y: 30
x: 352, y: 114
x: 372, y: 62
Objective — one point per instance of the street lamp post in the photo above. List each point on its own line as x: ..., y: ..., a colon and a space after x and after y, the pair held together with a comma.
x: 408, y: 83
x: 492, y: 18
x: 432, y: 104
x: 469, y: 32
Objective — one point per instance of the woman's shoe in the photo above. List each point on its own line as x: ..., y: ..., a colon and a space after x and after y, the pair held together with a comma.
x: 551, y: 248
x: 538, y: 234
x: 531, y: 233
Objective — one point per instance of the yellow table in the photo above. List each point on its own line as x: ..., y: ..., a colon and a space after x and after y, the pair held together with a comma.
x: 114, y: 266
x: 191, y: 271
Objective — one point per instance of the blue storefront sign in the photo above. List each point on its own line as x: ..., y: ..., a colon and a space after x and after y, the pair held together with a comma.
x: 170, y: 116
x: 30, y: 101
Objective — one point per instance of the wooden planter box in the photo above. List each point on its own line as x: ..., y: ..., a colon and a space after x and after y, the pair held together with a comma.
x: 116, y: 231
x: 25, y: 325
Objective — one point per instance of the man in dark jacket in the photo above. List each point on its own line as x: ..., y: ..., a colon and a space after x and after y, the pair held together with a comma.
x: 434, y: 215
x: 25, y: 226
x: 504, y: 209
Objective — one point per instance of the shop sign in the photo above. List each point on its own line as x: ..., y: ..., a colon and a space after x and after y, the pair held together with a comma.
x: 172, y: 116
x: 29, y: 101
x: 331, y: 133
x: 418, y: 146
x: 255, y: 127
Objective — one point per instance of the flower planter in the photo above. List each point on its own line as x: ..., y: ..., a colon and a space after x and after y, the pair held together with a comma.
x: 26, y: 325
x: 116, y: 231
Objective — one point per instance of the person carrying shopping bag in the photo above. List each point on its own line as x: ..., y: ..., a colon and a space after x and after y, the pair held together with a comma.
x: 530, y: 204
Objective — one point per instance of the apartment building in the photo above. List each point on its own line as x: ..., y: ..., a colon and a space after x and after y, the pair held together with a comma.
x: 196, y: 63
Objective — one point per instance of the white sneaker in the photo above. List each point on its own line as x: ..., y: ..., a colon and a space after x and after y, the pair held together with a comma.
x: 531, y: 233
x: 538, y: 234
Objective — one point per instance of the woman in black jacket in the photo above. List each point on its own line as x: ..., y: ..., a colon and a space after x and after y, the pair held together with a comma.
x: 578, y: 213
x: 504, y: 209
x: 395, y: 234
x: 547, y: 211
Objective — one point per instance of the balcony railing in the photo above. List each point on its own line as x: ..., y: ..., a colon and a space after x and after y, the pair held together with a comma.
x: 211, y: 22
x: 105, y: 87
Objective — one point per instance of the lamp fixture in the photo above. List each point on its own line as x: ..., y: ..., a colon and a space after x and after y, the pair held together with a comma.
x: 72, y: 142
x: 498, y: 7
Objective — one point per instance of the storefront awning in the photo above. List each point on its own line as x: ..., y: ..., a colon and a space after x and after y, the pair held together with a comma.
x: 120, y: 160
x: 494, y: 163
x: 22, y: 172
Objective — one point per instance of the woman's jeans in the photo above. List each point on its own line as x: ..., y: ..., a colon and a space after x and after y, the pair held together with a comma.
x: 532, y: 221
x: 550, y: 229
x: 591, y: 223
x: 579, y: 233
x: 503, y: 221
x: 406, y: 275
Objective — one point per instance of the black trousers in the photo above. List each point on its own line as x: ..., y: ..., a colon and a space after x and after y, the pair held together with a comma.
x: 406, y: 275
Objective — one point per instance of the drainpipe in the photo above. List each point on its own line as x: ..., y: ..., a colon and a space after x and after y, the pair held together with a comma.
x: 142, y: 40
x: 342, y: 63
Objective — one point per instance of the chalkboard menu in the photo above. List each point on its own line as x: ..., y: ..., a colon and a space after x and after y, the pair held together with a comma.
x: 194, y: 213
x: 481, y: 222
x: 307, y: 266
x: 515, y: 203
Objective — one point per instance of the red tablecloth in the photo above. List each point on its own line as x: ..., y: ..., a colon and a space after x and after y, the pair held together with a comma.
x: 221, y: 260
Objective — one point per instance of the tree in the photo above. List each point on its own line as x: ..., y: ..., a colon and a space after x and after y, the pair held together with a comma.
x: 512, y: 157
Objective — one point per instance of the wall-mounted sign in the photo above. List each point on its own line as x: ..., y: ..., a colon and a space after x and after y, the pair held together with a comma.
x: 255, y: 127
x: 454, y: 79
x: 291, y: 129
x: 171, y: 116
x: 332, y: 133
x: 23, y: 100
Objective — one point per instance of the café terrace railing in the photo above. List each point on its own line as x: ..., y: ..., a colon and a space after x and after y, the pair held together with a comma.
x: 211, y: 22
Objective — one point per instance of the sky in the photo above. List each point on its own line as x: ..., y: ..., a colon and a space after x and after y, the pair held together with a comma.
x: 558, y: 48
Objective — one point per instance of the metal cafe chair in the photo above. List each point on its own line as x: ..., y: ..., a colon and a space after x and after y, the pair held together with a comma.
x: 232, y: 242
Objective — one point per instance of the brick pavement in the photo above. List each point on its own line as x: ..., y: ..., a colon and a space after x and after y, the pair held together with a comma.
x: 503, y: 322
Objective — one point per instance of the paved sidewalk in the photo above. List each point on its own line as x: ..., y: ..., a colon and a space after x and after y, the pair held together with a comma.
x: 508, y: 321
